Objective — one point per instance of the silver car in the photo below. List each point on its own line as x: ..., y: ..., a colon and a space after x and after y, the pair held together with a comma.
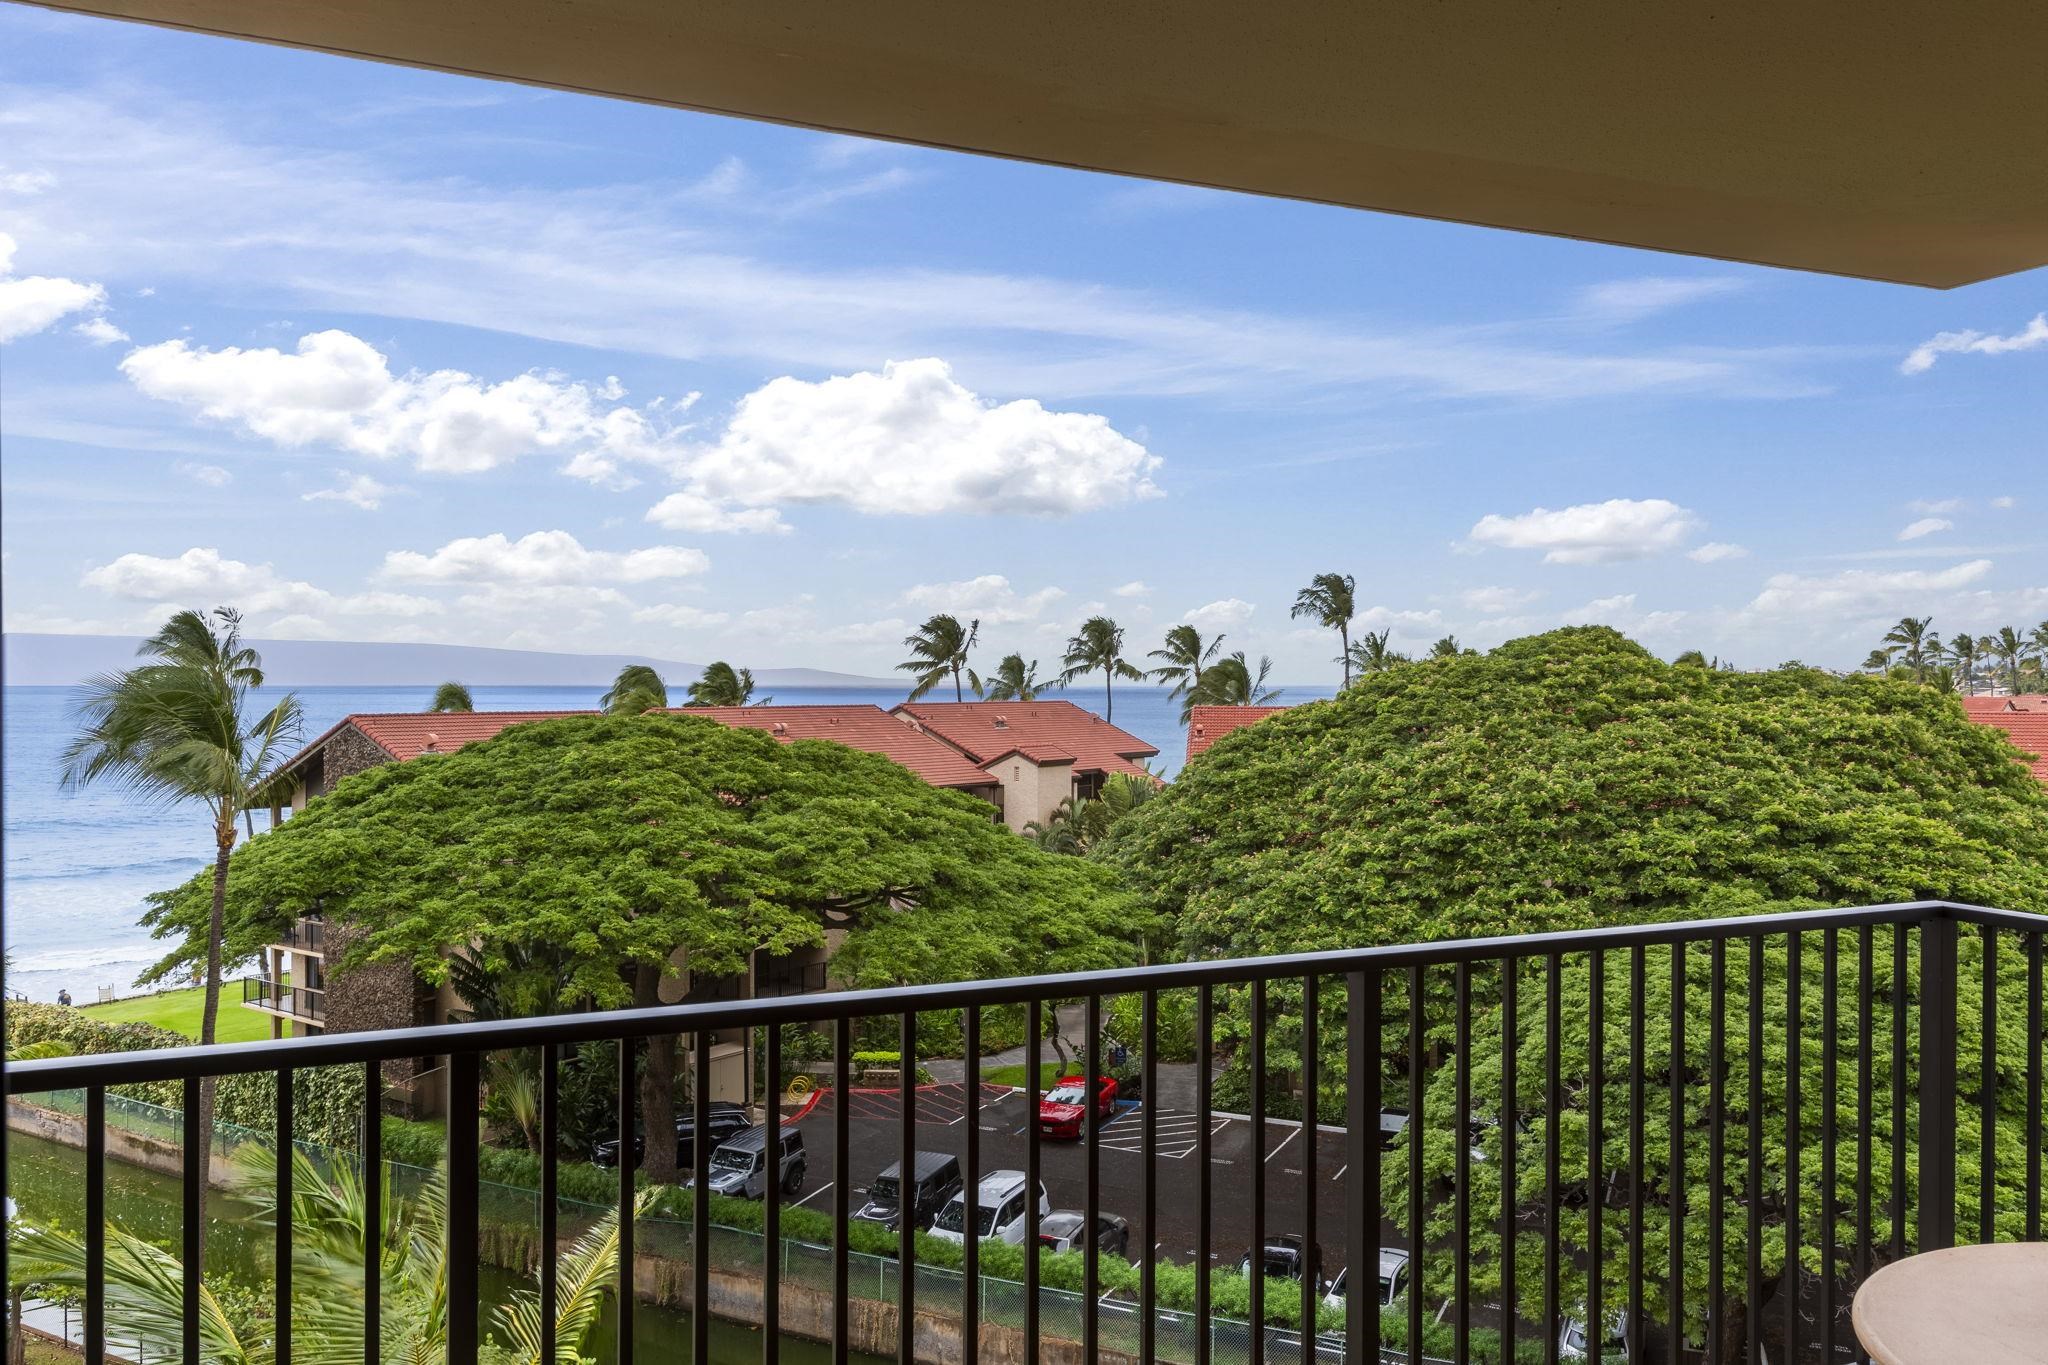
x: 740, y: 1167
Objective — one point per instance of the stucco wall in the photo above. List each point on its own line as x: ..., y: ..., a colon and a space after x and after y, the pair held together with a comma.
x: 1031, y: 791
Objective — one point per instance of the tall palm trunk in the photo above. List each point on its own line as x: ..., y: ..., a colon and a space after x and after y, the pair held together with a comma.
x: 1344, y: 638
x: 657, y: 1085
x: 209, y: 1014
x: 1108, y: 693
x: 958, y: 695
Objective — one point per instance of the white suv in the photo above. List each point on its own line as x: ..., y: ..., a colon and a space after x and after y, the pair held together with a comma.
x: 1000, y: 1210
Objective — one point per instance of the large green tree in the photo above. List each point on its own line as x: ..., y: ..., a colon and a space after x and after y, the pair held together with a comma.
x: 1572, y: 780
x: 182, y: 727
x: 616, y: 848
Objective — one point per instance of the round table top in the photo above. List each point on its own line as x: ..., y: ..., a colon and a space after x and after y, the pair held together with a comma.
x: 1987, y: 1305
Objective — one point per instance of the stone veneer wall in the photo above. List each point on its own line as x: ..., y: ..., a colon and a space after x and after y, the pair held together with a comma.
x: 349, y: 752
x: 378, y: 995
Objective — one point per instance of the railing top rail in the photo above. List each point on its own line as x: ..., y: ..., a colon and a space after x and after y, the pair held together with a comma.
x: 222, y: 1059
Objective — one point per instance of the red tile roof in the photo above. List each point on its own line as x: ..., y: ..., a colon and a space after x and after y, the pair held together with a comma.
x: 407, y: 735
x: 1207, y: 724
x: 2024, y: 720
x: 988, y: 730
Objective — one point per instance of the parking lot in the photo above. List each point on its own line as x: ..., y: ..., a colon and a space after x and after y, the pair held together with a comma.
x: 943, y: 1112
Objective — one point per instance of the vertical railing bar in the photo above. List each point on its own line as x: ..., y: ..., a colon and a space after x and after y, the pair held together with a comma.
x: 771, y: 1206
x: 700, y: 1189
x: 1361, y: 1163
x: 95, y: 1223
x: 2034, y: 1087
x: 1717, y: 1065
x: 970, y: 1245
x: 1638, y: 1042
x: 1987, y: 1092
x: 281, y: 1326
x: 1553, y: 1107
x: 1937, y: 1213
x: 1596, y: 1177
x: 1311, y: 1082
x: 1091, y: 1200
x: 1205, y: 1041
x: 1033, y: 1052
x: 1830, y: 1025
x: 1865, y: 961
x: 1148, y: 1178
x: 1753, y: 1159
x: 1255, y: 1345
x: 1794, y: 1115
x: 1675, y: 1175
x: 626, y: 1101
x: 1510, y: 1160
x: 1900, y: 985
x: 371, y: 1170
x: 1461, y: 1206
x: 842, y: 1188
x: 906, y: 1189
x: 1414, y: 1165
x: 195, y: 1174
x: 464, y: 1190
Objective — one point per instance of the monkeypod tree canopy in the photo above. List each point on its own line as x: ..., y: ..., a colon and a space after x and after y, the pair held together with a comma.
x: 609, y: 841
x: 1572, y: 779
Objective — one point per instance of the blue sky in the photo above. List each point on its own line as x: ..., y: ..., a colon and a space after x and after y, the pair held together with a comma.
x: 382, y: 354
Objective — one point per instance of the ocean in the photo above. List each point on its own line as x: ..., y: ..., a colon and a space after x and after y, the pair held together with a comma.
x: 78, y: 864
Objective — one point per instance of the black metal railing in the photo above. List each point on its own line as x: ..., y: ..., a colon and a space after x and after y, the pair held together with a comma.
x: 308, y: 934
x: 1674, y: 1142
x: 300, y: 1002
x: 774, y: 976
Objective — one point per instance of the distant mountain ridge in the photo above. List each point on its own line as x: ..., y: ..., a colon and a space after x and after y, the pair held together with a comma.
x: 37, y: 660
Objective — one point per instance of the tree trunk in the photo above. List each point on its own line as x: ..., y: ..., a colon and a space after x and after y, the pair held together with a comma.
x: 1108, y: 694
x: 1344, y: 639
x: 657, y: 1084
x: 209, y: 1015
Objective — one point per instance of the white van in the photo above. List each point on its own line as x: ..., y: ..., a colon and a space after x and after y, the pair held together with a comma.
x: 1000, y: 1210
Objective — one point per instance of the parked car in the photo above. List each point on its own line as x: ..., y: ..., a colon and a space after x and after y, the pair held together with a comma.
x: 936, y: 1179
x: 1286, y: 1259
x: 1063, y: 1229
x: 727, y: 1122
x: 1063, y: 1110
x: 1574, y: 1344
x: 1000, y: 1210
x: 740, y: 1165
x: 1393, y: 1270
x: 1393, y: 1126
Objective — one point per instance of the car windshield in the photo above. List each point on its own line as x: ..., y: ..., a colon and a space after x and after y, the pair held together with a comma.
x: 1574, y: 1336
x: 733, y: 1161
x: 1065, y: 1094
x: 883, y: 1191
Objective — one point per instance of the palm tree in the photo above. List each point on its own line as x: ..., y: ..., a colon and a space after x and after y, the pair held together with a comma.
x: 1331, y: 599
x: 2009, y: 647
x: 1914, y: 644
x: 176, y: 729
x: 452, y: 696
x: 1100, y: 645
x: 1448, y: 648
x: 940, y: 647
x: 1372, y: 655
x: 1691, y: 658
x: 724, y: 685
x: 1878, y: 661
x: 1185, y: 656
x: 637, y: 690
x: 1231, y: 682
x: 1014, y: 680
x: 1965, y: 651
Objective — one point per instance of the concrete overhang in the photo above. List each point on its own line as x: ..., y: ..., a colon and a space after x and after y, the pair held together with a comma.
x: 1877, y: 138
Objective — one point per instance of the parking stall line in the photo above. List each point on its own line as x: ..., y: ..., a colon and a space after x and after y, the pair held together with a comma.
x: 813, y: 1194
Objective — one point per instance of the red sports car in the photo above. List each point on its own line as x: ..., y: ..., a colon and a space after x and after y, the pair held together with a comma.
x: 1063, y: 1109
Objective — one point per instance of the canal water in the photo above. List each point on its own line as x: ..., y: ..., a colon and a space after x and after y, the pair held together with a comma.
x: 47, y: 1182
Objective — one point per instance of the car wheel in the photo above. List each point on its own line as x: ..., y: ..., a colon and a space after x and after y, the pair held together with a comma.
x: 793, y: 1183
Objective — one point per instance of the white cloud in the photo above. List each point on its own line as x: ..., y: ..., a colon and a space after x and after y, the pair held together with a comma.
x: 212, y: 475
x: 1400, y: 621
x: 540, y: 559
x: 1926, y: 526
x: 1714, y: 551
x: 1137, y: 587
x: 1896, y: 592
x: 683, y: 615
x: 1620, y: 612
x: 357, y: 490
x: 24, y: 184
x: 989, y: 599
x: 100, y: 332
x: 1934, y: 507
x: 1228, y: 614
x: 29, y: 303
x: 1591, y: 533
x: 1495, y: 600
x: 202, y: 576
x: 2007, y: 501
x: 696, y: 513
x: 1924, y: 355
x: 337, y: 390
x: 913, y: 441
x: 1627, y: 300
x: 889, y: 630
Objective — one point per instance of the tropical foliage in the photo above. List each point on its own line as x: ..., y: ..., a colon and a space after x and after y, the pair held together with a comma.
x: 1331, y: 600
x: 1373, y: 654
x: 637, y: 689
x: 452, y: 696
x: 1183, y: 658
x: 1077, y: 824
x: 724, y: 685
x: 1013, y: 680
x: 938, y: 650
x: 2007, y: 656
x: 1230, y: 681
x: 1098, y: 647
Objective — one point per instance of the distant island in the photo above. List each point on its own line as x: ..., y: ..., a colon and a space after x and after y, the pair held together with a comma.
x: 37, y: 660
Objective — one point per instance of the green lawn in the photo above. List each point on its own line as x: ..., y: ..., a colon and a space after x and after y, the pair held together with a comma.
x: 1048, y: 1073
x: 179, y: 1012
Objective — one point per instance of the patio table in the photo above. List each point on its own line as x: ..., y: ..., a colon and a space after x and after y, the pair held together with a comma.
x: 1987, y: 1305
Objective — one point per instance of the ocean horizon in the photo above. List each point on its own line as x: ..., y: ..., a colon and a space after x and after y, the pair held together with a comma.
x: 80, y: 864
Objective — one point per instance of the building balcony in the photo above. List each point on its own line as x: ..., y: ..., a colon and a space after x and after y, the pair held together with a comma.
x: 1488, y: 1173
x: 301, y: 1004
x: 308, y: 935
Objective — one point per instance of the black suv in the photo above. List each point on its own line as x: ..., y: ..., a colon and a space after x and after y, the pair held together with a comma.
x: 727, y: 1120
x: 936, y: 1179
